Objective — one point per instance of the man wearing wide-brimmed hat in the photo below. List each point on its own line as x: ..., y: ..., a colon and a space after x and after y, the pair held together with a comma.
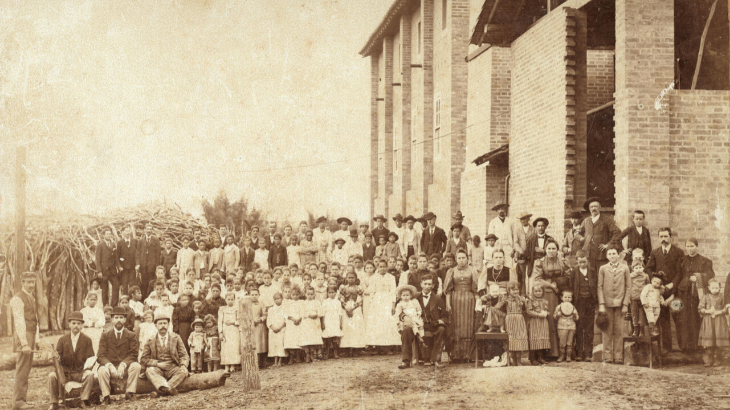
x: 364, y: 229
x: 73, y: 349
x: 380, y: 228
x: 536, y: 245
x: 165, y: 358
x: 353, y: 246
x: 465, y: 234
x: 410, y: 239
x: 399, y: 228
x: 600, y: 231
x: 321, y: 233
x: 117, y: 355
x: 25, y: 321
x: 504, y: 228
x: 344, y: 231
x: 573, y: 241
x: 433, y: 240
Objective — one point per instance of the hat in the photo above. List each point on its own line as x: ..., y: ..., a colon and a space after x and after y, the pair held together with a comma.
x: 588, y: 202
x: 353, y: 233
x: 185, y: 238
x: 379, y: 218
x: 576, y: 215
x: 160, y: 315
x: 77, y: 316
x: 491, y: 236
x: 119, y: 311
x: 456, y: 225
x: 429, y: 215
x: 382, y: 237
x: 196, y: 321
x: 410, y: 288
x: 277, y: 235
x: 340, y: 240
x: 458, y: 216
x: 321, y: 219
x: 498, y: 205
x: 343, y: 219
x: 29, y: 275
x: 410, y: 218
x: 534, y: 223
x: 602, y: 321
x: 398, y: 217
x: 364, y: 223
x: 368, y: 234
x: 393, y: 234
x: 524, y: 215
x: 303, y: 223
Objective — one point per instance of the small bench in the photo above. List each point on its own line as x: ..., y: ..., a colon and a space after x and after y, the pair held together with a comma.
x: 489, y: 336
x: 648, y: 339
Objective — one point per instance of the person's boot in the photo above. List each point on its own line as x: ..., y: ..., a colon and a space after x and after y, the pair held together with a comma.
x: 635, y: 332
x: 569, y: 354
x: 531, y: 358
x: 518, y: 358
x: 561, y: 358
x: 709, y: 357
x: 336, y: 348
x: 541, y: 357
x: 718, y: 357
x: 326, y: 350
x: 642, y: 331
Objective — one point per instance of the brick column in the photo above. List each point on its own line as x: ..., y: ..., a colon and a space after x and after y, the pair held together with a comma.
x: 373, y: 132
x: 405, y: 55
x: 427, y: 22
x: 459, y: 24
x: 388, y: 124
x: 644, y: 67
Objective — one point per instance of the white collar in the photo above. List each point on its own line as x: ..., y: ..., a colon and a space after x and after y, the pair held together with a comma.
x: 639, y: 228
x: 118, y: 333
x: 163, y: 339
x: 667, y: 248
x: 595, y: 218
x: 75, y: 339
x: 29, y: 294
x: 584, y: 271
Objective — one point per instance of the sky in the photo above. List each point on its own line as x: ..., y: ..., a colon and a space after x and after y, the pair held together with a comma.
x: 121, y: 103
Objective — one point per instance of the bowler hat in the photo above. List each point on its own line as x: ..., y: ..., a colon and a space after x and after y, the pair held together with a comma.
x: 491, y: 236
x: 343, y: 219
x: 398, y: 217
x: 590, y: 200
x: 159, y: 315
x: 576, y: 215
x: 458, y: 216
x: 119, y: 311
x: 429, y: 215
x: 380, y: 218
x: 364, y: 223
x: 410, y: 218
x: 77, y: 316
x: 499, y: 205
x: 534, y: 223
x: 321, y: 219
x: 353, y: 233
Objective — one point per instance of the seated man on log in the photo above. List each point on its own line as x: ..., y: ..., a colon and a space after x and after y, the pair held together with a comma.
x: 165, y: 358
x: 117, y: 356
x: 73, y: 350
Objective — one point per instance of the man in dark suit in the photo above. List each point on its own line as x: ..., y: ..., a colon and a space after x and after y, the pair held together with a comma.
x: 168, y: 257
x: 148, y: 255
x: 195, y: 243
x: 433, y: 239
x: 117, y: 356
x: 127, y: 252
x: 600, y: 232
x: 165, y: 358
x: 277, y: 253
x: 368, y: 247
x: 106, y: 264
x: 73, y: 349
x: 380, y: 229
x: 434, y: 320
x: 665, y: 262
x: 270, y: 236
x: 585, y: 300
x: 535, y: 249
x: 639, y: 237
x: 247, y: 253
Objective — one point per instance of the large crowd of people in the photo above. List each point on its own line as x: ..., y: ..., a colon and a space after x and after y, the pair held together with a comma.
x: 161, y: 313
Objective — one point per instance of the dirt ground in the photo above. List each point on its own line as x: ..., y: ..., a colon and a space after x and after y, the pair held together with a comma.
x: 375, y: 382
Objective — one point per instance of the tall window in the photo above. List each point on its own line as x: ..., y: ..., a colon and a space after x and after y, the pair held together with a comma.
x: 419, y: 37
x: 444, y: 9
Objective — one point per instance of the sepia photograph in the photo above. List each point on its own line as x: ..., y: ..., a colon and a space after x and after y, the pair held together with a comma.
x: 364, y: 204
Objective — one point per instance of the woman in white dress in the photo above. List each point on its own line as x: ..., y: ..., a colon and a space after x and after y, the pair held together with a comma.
x: 382, y: 329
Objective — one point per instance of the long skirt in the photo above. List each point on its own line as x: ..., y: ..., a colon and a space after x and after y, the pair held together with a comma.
x: 231, y: 346
x: 539, y: 333
x: 517, y: 331
x: 462, y: 315
x: 552, y: 299
x: 276, y: 343
x: 259, y: 338
x: 714, y: 332
x: 382, y: 326
x: 184, y: 333
x: 353, y: 330
x: 688, y: 326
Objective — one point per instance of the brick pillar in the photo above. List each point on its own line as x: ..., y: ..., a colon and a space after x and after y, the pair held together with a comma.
x: 388, y: 124
x: 405, y: 55
x: 373, y: 132
x: 459, y: 24
x: 644, y: 67
x: 427, y: 22
x: 576, y: 182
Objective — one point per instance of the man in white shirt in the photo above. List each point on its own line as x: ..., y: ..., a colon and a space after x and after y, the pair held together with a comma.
x: 322, y: 233
x: 410, y: 239
x: 399, y: 230
x: 503, y: 227
x: 353, y: 246
x: 344, y: 231
x: 73, y: 349
x: 25, y: 318
x: 185, y: 259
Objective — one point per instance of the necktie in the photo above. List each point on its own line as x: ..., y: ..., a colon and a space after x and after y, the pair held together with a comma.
x: 119, y: 335
x: 665, y: 252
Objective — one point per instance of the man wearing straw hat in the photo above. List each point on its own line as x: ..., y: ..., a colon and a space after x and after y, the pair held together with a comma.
x: 465, y: 234
x: 165, y: 358
x: 74, y: 349
x: 322, y: 233
x: 504, y: 228
x: 25, y: 321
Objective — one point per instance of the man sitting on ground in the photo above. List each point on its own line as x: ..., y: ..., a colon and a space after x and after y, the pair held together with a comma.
x: 165, y: 358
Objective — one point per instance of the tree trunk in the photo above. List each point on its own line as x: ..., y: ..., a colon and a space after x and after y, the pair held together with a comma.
x: 249, y: 358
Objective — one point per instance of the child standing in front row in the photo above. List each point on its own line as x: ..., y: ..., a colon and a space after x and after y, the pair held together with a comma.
x: 332, y: 323
x: 714, y: 330
x: 258, y: 312
x: 639, y: 280
x: 652, y: 301
x: 212, y: 354
x: 230, y: 336
x: 196, y: 341
x: 537, y: 310
x: 276, y: 322
x: 147, y: 330
x: 515, y: 322
x: 566, y: 314
x: 311, y: 326
x: 353, y: 326
x: 290, y: 307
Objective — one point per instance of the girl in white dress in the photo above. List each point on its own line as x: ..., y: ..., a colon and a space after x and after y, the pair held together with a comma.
x: 311, y: 327
x: 94, y: 320
x: 382, y: 329
x: 230, y: 336
x: 332, y: 332
x: 292, y: 251
x: 147, y: 330
x: 353, y: 324
x: 276, y: 322
x: 261, y: 255
x: 290, y: 307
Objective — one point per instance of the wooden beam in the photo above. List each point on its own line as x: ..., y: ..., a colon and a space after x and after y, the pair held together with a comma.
x: 20, y: 262
x: 702, y: 44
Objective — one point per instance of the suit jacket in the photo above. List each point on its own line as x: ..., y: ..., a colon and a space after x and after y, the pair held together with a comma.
x: 73, y: 361
x: 414, y: 279
x: 520, y: 238
x: 168, y: 260
x: 670, y: 264
x: 177, y: 351
x: 127, y: 254
x: 148, y: 254
x: 433, y: 312
x: 637, y: 241
x: 531, y: 255
x: 269, y: 242
x: 575, y: 278
x: 115, y: 351
x: 368, y: 252
x: 435, y: 243
x: 377, y: 232
x: 247, y: 258
x: 106, y: 258
x: 277, y: 256
x: 603, y: 232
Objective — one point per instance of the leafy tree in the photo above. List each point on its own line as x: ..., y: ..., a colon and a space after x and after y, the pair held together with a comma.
x: 238, y: 216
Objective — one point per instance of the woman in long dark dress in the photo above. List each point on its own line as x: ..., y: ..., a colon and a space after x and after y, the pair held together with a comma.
x: 696, y: 271
x: 461, y: 293
x: 548, y: 272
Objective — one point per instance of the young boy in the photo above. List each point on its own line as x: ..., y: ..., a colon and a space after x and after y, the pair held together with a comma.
x: 173, y: 286
x: 639, y: 280
x: 585, y: 301
x: 614, y: 291
x: 573, y: 241
x: 368, y: 247
x: 476, y: 254
x: 196, y: 341
x: 380, y: 249
x: 168, y: 258
x: 637, y: 237
x: 392, y: 248
x: 652, y: 301
x: 135, y: 302
x: 153, y: 300
x: 159, y: 276
x: 339, y: 254
x: 185, y: 258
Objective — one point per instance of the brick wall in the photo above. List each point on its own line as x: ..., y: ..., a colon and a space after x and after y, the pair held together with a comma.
x: 600, y: 77
x: 699, y: 163
x: 415, y: 195
x: 542, y: 120
x: 374, y: 81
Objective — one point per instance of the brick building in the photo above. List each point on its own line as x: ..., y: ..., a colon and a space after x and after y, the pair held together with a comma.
x: 542, y: 103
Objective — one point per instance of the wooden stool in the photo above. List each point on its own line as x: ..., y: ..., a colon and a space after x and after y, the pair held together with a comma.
x: 649, y: 339
x: 417, y: 349
x: 489, y: 336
